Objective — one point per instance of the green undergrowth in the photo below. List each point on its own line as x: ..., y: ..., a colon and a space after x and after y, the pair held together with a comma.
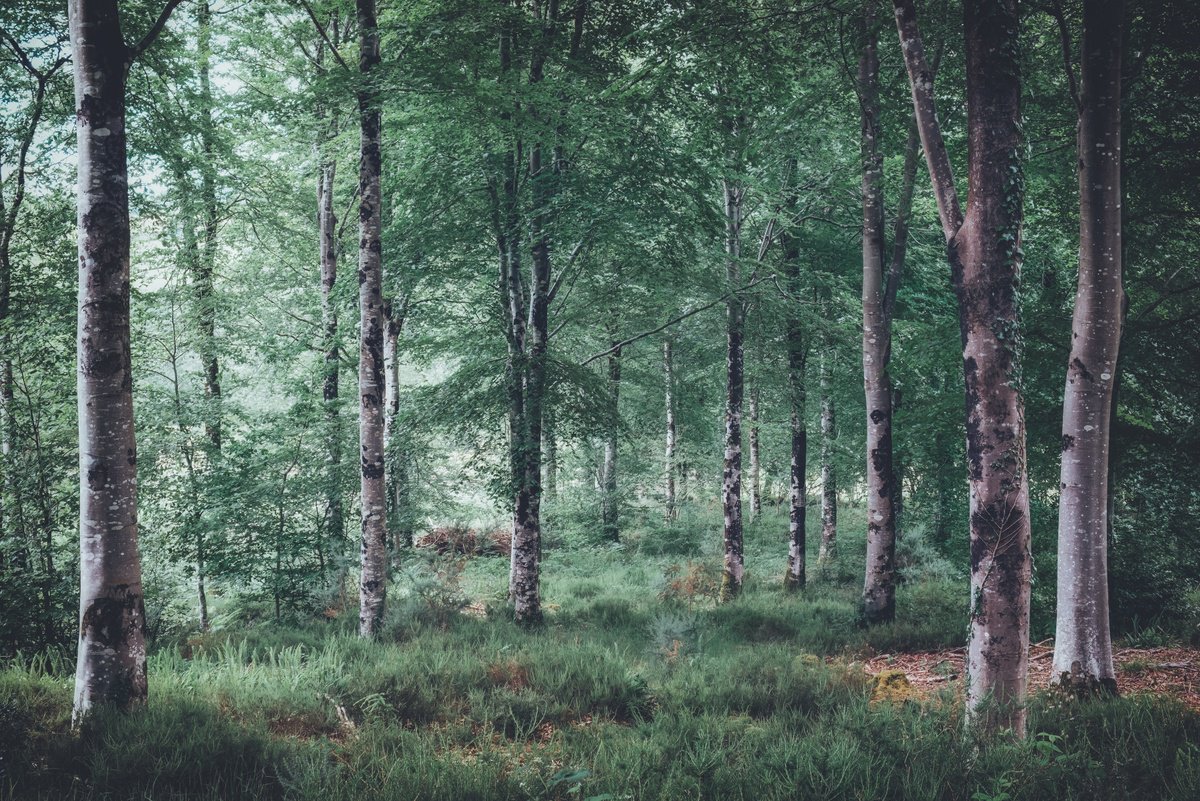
x: 638, y: 687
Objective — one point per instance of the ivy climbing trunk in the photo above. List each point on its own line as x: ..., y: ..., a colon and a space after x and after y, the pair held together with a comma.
x: 111, y: 665
x: 373, y: 580
x: 731, y: 483
x: 1083, y: 660
x: 983, y: 249
x: 672, y: 510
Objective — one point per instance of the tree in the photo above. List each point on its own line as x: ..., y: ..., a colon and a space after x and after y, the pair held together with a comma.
x: 1083, y: 661
x: 983, y: 248
x: 111, y: 666
x: 371, y: 383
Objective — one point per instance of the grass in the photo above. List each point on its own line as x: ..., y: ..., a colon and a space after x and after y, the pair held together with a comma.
x: 631, y: 691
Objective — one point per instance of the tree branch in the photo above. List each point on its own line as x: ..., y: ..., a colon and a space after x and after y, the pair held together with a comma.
x: 324, y: 35
x: 154, y: 31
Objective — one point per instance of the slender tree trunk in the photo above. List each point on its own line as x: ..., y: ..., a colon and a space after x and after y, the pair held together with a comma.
x: 672, y: 510
x: 373, y: 582
x: 879, y: 586
x: 335, y: 522
x: 206, y: 313
x: 795, y: 578
x: 1083, y: 661
x: 111, y: 668
x: 755, y: 456
x: 828, y: 549
x: 984, y: 253
x: 610, y: 512
x: 550, y: 458
x: 400, y: 522
x: 731, y: 485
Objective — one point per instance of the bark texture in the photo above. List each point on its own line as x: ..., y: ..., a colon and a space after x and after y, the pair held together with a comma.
x: 797, y: 351
x: 755, y: 456
x: 983, y: 248
x: 731, y: 484
x: 1083, y: 661
x: 335, y: 522
x: 879, y: 585
x: 111, y: 666
x: 610, y: 508
x: 373, y: 579
x: 400, y: 518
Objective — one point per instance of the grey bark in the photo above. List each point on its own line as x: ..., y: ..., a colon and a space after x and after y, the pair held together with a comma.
x: 373, y: 579
x: 795, y: 578
x: 1083, y: 660
x: 610, y: 510
x: 335, y: 521
x: 983, y: 249
x: 734, y: 568
x: 755, y: 455
x: 400, y: 521
x: 111, y: 664
x: 827, y: 553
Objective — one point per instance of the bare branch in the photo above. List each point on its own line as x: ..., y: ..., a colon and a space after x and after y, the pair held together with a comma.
x: 324, y: 34
x: 154, y: 31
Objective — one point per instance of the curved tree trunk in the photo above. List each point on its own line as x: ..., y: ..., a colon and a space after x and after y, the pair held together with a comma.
x: 1083, y: 660
x: 373, y: 581
x: 983, y: 248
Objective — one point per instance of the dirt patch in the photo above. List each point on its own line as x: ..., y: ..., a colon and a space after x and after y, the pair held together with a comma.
x: 1162, y: 671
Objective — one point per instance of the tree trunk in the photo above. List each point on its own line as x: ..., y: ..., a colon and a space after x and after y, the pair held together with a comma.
x: 1083, y: 661
x: 400, y: 523
x: 610, y: 513
x: 795, y: 578
x: 755, y: 456
x: 206, y: 313
x: 879, y: 585
x: 550, y: 458
x: 111, y: 667
x: 335, y: 522
x: 731, y: 485
x: 373, y: 581
x: 672, y: 510
x: 828, y: 549
x: 984, y: 252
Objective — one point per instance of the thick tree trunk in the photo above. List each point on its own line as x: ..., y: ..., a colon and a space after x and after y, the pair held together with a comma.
x: 984, y: 254
x: 373, y: 581
x: 111, y: 668
x: 755, y: 456
x: 879, y: 586
x: 1083, y: 661
x: 610, y: 512
x: 335, y: 522
x: 672, y: 510
x: 731, y: 485
x: 828, y: 549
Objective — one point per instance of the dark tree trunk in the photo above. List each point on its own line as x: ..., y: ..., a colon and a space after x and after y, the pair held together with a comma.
x: 373, y: 582
x: 731, y: 485
x: 983, y: 248
x: 1083, y: 660
x: 206, y: 313
x: 335, y: 521
x: 755, y: 456
x: 111, y: 667
x: 672, y: 510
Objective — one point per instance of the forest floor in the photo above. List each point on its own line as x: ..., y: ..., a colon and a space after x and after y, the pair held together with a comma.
x: 1169, y: 671
x: 638, y: 687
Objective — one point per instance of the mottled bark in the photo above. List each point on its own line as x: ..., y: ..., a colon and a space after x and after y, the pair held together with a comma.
x: 795, y: 577
x: 111, y: 666
x: 755, y: 455
x: 400, y: 520
x: 373, y: 580
x: 879, y: 585
x: 828, y: 549
x: 335, y: 521
x: 202, y: 280
x: 731, y: 483
x: 983, y: 249
x: 672, y: 510
x: 1083, y: 661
